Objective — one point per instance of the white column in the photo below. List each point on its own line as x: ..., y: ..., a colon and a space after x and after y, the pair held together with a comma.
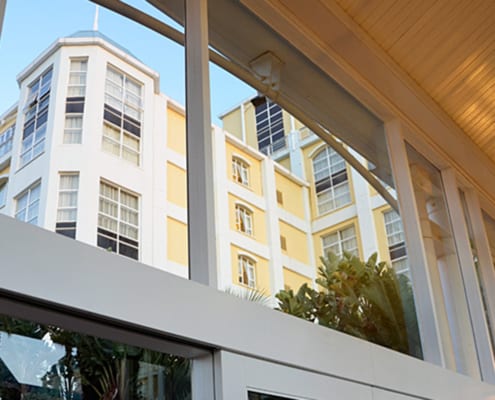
x: 469, y: 307
x: 201, y: 207
x: 296, y: 154
x: 243, y: 124
x: 434, y: 329
x: 223, y: 234
x: 364, y: 212
x: 273, y: 227
x: 313, y: 259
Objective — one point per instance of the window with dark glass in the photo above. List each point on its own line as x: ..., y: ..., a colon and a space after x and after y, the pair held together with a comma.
x: 67, y: 204
x: 74, y: 106
x: 36, y: 117
x: 269, y: 125
x: 396, y: 242
x: 118, y: 221
x: 122, y: 116
x: 331, y: 181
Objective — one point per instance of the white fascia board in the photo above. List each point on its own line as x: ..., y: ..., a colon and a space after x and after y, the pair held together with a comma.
x: 90, y: 41
x: 9, y: 113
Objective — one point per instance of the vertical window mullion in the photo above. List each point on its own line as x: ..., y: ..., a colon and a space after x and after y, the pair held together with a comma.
x: 476, y: 324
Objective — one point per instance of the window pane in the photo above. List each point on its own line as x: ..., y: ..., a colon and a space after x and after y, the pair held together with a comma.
x: 50, y: 362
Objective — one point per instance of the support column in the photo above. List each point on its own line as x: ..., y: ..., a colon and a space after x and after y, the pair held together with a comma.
x: 273, y: 228
x: 201, y: 207
x: 427, y: 297
x: 364, y: 212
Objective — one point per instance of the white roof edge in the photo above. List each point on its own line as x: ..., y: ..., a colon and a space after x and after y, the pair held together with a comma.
x: 95, y: 41
x: 232, y: 108
x: 10, y: 111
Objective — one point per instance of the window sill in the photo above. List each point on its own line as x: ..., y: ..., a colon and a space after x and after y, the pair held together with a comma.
x: 29, y: 162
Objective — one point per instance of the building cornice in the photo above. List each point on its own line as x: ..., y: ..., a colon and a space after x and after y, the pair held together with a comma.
x: 89, y: 41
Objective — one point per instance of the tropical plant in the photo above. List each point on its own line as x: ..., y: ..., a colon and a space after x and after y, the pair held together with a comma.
x: 252, y: 294
x: 359, y: 298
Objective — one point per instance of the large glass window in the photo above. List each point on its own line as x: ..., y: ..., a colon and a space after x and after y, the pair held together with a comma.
x: 118, y: 220
x: 442, y: 256
x: 36, y: 117
x: 338, y: 242
x: 46, y: 362
x: 27, y: 204
x: 67, y: 204
x: 331, y: 181
x: 269, y: 125
x: 122, y: 115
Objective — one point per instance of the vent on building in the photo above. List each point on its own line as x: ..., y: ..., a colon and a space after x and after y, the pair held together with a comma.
x: 280, y: 197
x: 283, y: 242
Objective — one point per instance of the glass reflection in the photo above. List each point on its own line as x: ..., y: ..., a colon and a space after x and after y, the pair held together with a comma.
x: 43, y: 362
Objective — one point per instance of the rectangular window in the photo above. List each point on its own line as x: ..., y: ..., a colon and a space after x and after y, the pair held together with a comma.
x: 340, y: 241
x: 240, y: 171
x: 27, y: 204
x: 396, y: 242
x: 35, y: 118
x: 77, y: 77
x: 6, y: 140
x: 246, y: 271
x: 331, y: 181
x: 118, y: 221
x: 67, y: 204
x: 74, y: 106
x: 3, y: 193
x: 122, y: 116
x: 243, y: 220
x: 269, y: 126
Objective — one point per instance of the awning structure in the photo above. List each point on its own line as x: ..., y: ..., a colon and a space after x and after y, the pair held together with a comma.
x: 302, y: 84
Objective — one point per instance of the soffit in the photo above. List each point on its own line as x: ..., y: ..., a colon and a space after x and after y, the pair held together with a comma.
x: 447, y: 47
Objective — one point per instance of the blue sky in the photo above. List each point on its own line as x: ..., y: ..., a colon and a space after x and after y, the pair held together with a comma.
x: 30, y: 26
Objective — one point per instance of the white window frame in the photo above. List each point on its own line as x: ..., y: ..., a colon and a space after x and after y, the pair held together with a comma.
x: 240, y: 171
x: 3, y: 191
x: 124, y: 103
x: 400, y: 264
x: 244, y: 219
x: 6, y: 140
x: 31, y: 203
x: 117, y: 236
x: 78, y: 72
x: 33, y: 145
x: 340, y: 242
x: 246, y: 271
x: 60, y: 208
x: 330, y: 172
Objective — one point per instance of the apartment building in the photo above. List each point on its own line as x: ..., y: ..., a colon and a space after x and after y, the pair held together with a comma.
x: 96, y: 153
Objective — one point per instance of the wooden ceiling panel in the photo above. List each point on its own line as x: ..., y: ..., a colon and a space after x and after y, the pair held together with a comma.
x: 447, y: 47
